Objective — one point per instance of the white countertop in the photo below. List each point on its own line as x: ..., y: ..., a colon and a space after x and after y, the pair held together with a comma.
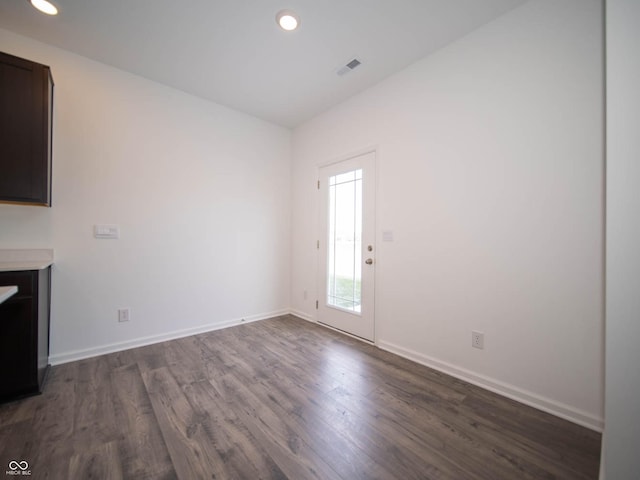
x: 25, y: 259
x: 7, y: 292
x: 26, y: 265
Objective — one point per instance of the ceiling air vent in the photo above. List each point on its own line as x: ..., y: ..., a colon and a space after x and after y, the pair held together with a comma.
x: 353, y: 64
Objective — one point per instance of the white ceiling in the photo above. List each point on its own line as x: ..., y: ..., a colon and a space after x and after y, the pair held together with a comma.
x: 233, y: 53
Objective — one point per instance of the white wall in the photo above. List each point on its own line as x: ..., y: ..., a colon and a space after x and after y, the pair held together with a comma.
x: 622, y: 432
x: 201, y: 194
x: 490, y: 176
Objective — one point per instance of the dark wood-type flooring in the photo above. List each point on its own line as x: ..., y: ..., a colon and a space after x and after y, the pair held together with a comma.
x: 275, y: 399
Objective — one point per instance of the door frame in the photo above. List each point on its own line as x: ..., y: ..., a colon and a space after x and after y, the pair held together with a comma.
x: 319, y: 286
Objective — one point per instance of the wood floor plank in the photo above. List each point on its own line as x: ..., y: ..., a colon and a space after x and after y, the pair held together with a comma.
x: 315, y: 418
x: 375, y: 367
x: 100, y: 462
x: 466, y: 435
x: 422, y: 462
x: 558, y: 440
x: 290, y: 402
x: 281, y: 352
x: 520, y: 451
x: 289, y: 446
x: 143, y: 452
x: 11, y: 443
x: 94, y: 422
x: 47, y: 441
x: 16, y: 412
x: 365, y: 438
x: 243, y: 455
x: 191, y: 452
x: 151, y: 357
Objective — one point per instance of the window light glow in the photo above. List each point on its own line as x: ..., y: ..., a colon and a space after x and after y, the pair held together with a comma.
x: 287, y: 20
x: 45, y: 7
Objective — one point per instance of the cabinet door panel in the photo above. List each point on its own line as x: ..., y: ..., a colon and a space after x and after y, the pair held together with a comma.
x: 17, y: 359
x: 24, y: 132
x: 16, y: 129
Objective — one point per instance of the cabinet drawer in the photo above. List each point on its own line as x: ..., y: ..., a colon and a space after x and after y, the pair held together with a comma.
x: 25, y: 281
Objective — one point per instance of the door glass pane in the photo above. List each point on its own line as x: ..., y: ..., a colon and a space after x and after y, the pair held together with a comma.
x: 344, y: 269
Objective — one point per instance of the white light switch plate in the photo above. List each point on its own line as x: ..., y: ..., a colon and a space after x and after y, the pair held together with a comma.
x: 106, y: 231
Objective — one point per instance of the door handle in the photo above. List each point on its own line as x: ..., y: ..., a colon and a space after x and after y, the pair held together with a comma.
x: 368, y: 261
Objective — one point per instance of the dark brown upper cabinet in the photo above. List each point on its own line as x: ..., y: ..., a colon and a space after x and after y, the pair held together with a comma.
x: 26, y: 114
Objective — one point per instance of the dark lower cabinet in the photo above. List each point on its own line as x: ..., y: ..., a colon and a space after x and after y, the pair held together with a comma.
x: 24, y: 333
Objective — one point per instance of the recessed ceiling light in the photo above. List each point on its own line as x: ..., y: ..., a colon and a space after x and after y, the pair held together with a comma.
x: 287, y: 20
x: 45, y: 7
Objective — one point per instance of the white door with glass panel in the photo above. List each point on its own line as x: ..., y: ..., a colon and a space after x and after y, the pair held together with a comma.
x: 346, y: 245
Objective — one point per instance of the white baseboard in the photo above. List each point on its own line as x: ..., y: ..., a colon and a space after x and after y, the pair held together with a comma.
x: 302, y: 315
x: 72, y: 356
x: 548, y: 405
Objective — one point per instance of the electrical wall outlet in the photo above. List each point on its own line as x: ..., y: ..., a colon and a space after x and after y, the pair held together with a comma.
x: 124, y: 314
x: 477, y: 340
